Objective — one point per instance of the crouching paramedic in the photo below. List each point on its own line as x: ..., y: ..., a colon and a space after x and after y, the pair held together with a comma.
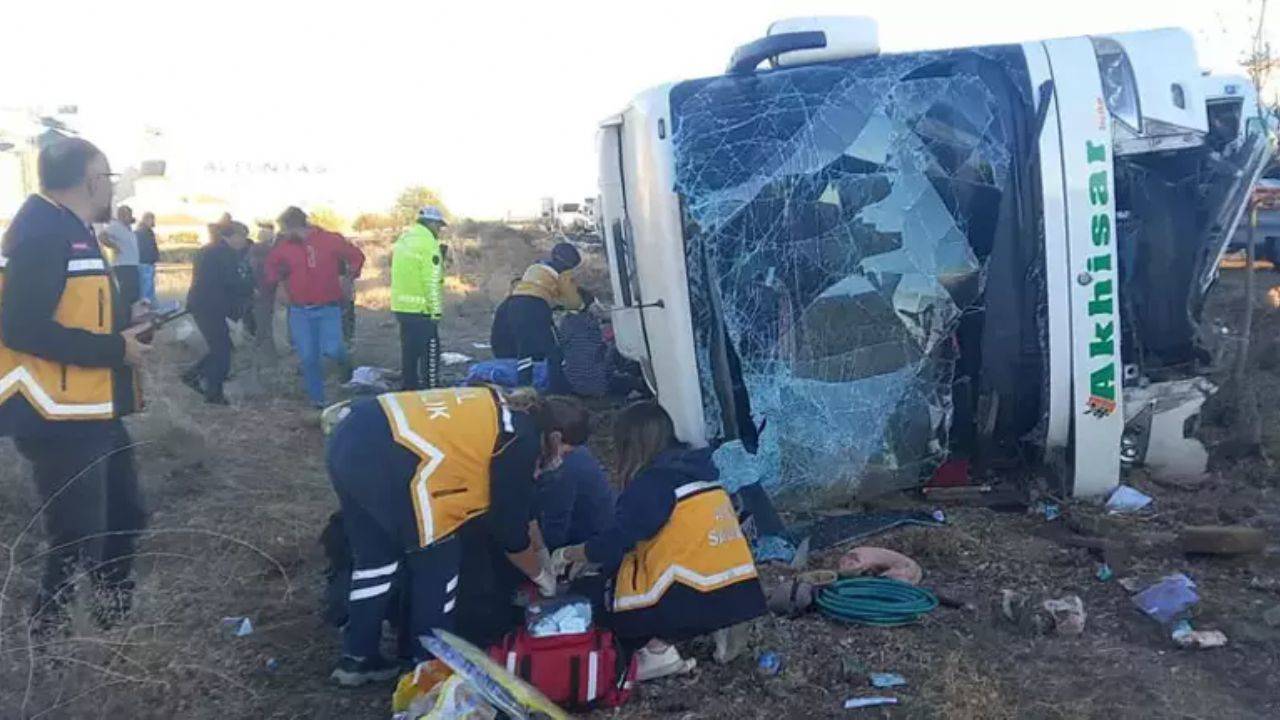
x: 679, y: 564
x: 523, y: 327
x: 67, y: 378
x: 425, y: 479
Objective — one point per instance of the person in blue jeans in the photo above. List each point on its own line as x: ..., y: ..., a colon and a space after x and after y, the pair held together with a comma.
x: 316, y: 334
x: 310, y: 262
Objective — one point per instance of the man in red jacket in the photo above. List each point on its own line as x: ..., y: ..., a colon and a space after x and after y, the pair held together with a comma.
x: 310, y: 261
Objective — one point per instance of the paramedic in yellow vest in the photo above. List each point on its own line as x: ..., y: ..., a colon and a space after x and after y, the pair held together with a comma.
x: 424, y: 479
x: 67, y: 378
x: 523, y: 327
x: 417, y: 290
x: 679, y: 564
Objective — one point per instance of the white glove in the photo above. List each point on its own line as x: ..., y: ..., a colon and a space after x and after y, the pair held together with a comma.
x: 546, y: 582
x: 568, y: 568
x: 560, y: 563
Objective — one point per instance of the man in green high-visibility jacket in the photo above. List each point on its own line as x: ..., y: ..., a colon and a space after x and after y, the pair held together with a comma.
x: 417, y: 287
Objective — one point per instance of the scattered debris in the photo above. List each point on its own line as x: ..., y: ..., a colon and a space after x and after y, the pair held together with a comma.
x: 819, y: 578
x: 1168, y: 599
x: 1187, y: 637
x: 1265, y: 584
x: 884, y: 681
x: 866, y: 702
x: 773, y: 548
x: 770, y: 663
x: 1104, y: 573
x: 1222, y: 540
x: 1013, y: 607
x: 954, y: 603
x: 1127, y: 500
x: 801, y: 559
x: 271, y: 665
x: 481, y: 346
x: 881, y: 562
x: 1131, y: 584
x: 846, y: 529
x: 1067, y: 613
x: 454, y: 698
x: 791, y: 598
x: 454, y: 358
x: 851, y: 668
x: 1272, y: 617
x: 731, y: 643
x: 238, y: 626
x: 961, y: 492
x: 418, y: 683
x: 997, y: 498
x: 367, y: 380
x: 1051, y: 511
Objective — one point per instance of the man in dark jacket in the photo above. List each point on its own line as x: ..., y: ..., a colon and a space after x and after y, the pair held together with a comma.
x: 67, y: 378
x: 220, y: 286
x: 148, y: 256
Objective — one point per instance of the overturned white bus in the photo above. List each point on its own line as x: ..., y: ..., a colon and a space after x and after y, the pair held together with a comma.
x: 849, y: 267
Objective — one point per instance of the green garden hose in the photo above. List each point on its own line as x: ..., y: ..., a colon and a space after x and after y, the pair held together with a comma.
x: 881, y: 602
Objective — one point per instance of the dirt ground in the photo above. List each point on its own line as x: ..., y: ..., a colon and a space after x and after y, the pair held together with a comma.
x: 238, y: 497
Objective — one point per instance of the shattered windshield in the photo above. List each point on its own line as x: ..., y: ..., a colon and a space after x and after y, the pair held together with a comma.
x: 838, y: 221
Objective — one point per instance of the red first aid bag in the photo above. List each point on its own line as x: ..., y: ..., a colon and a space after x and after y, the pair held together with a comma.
x: 579, y: 671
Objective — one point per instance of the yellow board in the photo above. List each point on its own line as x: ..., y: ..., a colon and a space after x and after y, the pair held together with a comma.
x: 505, y: 691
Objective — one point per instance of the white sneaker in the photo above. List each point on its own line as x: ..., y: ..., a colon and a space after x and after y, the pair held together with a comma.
x: 655, y: 665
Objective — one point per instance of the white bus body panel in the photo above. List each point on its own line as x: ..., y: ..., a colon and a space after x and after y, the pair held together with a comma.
x: 654, y: 229
x: 1057, y: 268
x: 628, y: 333
x: 1161, y: 60
x: 847, y: 37
x: 1084, y: 125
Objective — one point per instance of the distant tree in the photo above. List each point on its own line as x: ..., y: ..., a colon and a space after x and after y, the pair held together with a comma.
x: 414, y: 198
x: 327, y: 218
x: 1260, y: 63
x: 366, y: 222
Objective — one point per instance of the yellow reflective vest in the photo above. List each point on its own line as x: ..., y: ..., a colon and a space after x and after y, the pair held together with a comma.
x: 454, y: 433
x: 35, y: 389
x: 557, y: 288
x: 701, y: 547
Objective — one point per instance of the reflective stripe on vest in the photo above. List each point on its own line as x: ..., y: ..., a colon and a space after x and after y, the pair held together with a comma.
x: 453, y: 432
x: 76, y: 265
x: 701, y: 547
x: 55, y: 390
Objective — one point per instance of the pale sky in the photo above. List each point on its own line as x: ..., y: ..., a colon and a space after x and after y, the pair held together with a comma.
x: 495, y: 103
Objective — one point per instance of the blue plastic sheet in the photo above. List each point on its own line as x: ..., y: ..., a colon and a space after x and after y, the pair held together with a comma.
x: 503, y: 372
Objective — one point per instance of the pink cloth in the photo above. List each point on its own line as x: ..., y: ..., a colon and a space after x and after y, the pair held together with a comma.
x: 882, y: 562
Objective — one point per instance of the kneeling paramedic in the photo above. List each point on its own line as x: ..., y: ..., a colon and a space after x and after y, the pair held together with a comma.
x: 424, y: 479
x: 679, y: 564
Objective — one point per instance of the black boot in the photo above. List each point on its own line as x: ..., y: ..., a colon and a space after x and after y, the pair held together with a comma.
x: 354, y: 672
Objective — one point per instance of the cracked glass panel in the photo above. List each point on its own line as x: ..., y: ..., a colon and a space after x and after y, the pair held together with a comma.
x: 838, y: 220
